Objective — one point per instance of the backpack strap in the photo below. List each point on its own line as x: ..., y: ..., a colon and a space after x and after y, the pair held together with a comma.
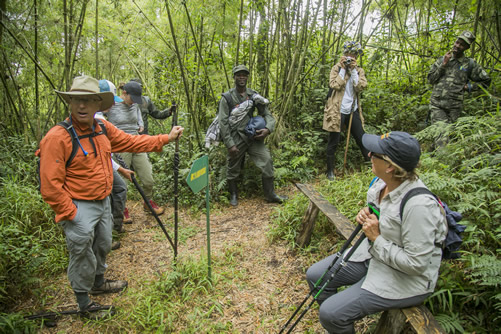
x: 373, y: 181
x: 75, y: 140
x: 414, y: 192
x: 229, y: 100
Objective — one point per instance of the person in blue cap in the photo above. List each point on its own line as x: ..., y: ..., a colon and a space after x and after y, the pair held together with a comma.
x: 236, y: 110
x: 397, y: 265
x: 118, y: 194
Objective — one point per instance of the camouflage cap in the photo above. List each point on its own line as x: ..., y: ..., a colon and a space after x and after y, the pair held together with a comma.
x: 353, y: 47
x: 467, y: 36
x: 240, y: 68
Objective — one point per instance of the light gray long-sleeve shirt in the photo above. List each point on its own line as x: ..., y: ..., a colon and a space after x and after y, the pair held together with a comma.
x: 126, y: 118
x: 405, y: 258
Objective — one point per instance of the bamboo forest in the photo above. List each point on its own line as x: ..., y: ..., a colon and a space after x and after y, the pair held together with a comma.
x: 205, y: 166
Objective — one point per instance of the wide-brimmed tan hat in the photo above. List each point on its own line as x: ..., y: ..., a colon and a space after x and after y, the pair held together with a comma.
x: 85, y: 86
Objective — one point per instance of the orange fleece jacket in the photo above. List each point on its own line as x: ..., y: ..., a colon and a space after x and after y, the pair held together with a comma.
x: 87, y: 177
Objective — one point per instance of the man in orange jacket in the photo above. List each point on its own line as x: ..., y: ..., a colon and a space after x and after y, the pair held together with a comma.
x: 79, y: 192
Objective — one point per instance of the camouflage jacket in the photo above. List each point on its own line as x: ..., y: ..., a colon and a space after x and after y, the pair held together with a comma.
x: 449, y: 81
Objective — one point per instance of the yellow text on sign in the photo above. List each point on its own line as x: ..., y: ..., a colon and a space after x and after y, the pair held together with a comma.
x: 198, y: 173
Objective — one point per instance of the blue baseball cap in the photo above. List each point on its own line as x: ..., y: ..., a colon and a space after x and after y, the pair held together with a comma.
x: 108, y: 86
x: 402, y: 148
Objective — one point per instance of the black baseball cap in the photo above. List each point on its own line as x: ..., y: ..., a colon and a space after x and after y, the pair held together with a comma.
x: 134, y: 90
x: 402, y: 148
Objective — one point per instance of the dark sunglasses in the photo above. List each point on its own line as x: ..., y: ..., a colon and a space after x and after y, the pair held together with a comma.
x: 377, y: 156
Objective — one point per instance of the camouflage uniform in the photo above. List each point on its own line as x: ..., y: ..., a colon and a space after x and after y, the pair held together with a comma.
x: 448, y: 82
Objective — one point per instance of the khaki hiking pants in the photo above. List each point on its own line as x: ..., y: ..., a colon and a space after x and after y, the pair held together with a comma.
x: 142, y: 166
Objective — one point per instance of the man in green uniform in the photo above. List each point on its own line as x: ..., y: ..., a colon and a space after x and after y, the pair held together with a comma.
x: 236, y: 109
x: 451, y: 76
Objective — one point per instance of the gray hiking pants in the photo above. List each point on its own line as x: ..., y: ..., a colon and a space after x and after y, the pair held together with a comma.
x: 339, y: 311
x: 88, y: 238
x: 118, y: 199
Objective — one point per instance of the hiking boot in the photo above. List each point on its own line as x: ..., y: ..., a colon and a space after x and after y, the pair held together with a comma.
x: 96, y: 311
x: 269, y: 191
x: 115, y: 245
x: 158, y: 210
x: 127, y: 218
x: 119, y: 229
x: 330, y: 168
x: 232, y: 187
x: 109, y: 286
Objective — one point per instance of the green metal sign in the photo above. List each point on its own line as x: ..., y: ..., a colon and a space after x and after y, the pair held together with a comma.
x: 198, y: 178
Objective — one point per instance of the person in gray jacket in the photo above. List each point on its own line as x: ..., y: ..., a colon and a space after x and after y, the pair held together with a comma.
x: 127, y: 117
x: 148, y: 108
x: 397, y: 264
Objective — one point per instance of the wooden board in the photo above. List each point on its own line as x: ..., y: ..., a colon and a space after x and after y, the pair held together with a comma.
x: 343, y: 224
x: 417, y: 319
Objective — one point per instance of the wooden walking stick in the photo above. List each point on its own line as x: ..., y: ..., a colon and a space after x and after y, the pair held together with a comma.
x: 347, y: 142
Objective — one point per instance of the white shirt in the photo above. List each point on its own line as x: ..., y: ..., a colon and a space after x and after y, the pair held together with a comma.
x: 349, y: 97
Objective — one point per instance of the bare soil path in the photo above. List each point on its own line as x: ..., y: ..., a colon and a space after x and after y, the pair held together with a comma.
x: 259, y: 303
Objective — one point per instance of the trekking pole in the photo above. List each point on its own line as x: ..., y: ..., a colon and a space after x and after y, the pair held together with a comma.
x: 176, y: 178
x: 146, y: 200
x: 343, y: 263
x: 49, y: 318
x: 317, y: 283
x: 373, y: 209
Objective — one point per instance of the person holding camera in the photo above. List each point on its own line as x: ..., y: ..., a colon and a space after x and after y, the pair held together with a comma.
x: 343, y: 106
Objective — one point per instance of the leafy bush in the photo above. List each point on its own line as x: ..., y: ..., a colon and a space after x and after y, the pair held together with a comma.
x: 31, y: 244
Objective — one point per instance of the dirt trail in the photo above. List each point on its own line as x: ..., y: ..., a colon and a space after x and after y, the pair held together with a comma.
x: 274, y: 280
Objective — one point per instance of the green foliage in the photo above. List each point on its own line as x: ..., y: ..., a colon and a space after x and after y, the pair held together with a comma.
x: 31, y: 244
x: 182, y: 298
x: 16, y: 324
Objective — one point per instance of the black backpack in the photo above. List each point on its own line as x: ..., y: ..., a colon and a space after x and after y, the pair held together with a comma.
x: 452, y: 242
x: 75, y: 142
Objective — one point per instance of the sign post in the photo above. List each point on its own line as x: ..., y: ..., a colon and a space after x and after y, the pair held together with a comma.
x: 197, y: 179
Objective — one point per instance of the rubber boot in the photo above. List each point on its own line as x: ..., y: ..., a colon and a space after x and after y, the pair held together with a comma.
x: 330, y: 168
x: 232, y: 187
x: 269, y: 191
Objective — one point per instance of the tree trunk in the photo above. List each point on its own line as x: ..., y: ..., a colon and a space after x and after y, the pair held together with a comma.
x: 475, y: 27
x: 237, y: 61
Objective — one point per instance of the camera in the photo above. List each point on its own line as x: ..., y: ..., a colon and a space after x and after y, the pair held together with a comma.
x: 348, y: 60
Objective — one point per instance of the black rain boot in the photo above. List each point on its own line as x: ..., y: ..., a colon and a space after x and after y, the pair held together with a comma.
x: 269, y: 191
x: 330, y: 168
x: 232, y: 187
